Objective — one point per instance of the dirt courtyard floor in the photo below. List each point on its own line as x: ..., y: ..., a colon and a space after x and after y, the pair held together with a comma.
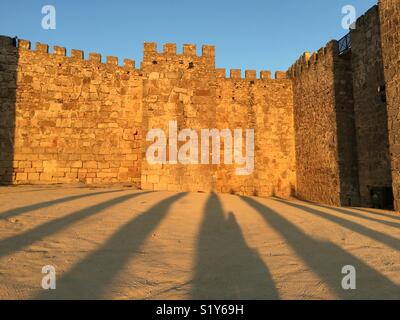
x: 120, y: 243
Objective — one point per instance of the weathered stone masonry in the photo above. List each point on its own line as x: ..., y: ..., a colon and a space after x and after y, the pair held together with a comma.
x: 326, y: 130
x: 345, y: 106
x: 324, y: 125
x: 370, y: 105
x: 191, y: 90
x: 75, y: 120
x: 389, y: 11
x: 84, y: 121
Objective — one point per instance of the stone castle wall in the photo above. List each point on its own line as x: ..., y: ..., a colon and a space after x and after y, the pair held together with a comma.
x: 342, y: 120
x: 325, y: 162
x: 346, y: 131
x: 8, y: 89
x: 177, y: 88
x: 390, y: 34
x: 76, y: 120
x: 187, y: 88
x: 315, y: 133
x: 80, y: 120
x: 370, y: 106
x: 266, y: 105
x: 323, y: 130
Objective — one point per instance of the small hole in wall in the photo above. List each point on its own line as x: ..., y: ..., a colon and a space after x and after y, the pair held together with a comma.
x: 59, y: 64
x: 251, y: 82
x: 233, y: 98
x: 154, y: 62
x: 180, y: 61
x: 191, y: 65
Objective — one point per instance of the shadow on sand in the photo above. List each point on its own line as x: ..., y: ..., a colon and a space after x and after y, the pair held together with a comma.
x: 20, y: 241
x: 327, y: 259
x: 41, y: 205
x: 353, y: 226
x: 359, y: 215
x: 226, y: 268
x: 378, y: 213
x: 90, y: 278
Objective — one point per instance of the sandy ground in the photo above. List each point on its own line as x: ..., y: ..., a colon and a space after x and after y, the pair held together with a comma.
x: 119, y: 243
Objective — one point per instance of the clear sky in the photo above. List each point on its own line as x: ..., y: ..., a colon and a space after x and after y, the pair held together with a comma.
x: 248, y: 34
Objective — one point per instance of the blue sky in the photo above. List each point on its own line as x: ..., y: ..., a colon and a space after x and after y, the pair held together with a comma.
x: 248, y: 34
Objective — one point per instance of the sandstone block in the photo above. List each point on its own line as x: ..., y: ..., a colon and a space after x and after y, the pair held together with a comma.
x: 77, y: 164
x: 22, y: 176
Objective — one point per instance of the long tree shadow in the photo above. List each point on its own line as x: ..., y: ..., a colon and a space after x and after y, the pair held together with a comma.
x: 226, y: 268
x: 89, y: 278
x: 16, y: 190
x: 380, y: 237
x: 21, y: 210
x: 359, y: 215
x: 327, y: 260
x: 19, y: 241
x: 377, y: 213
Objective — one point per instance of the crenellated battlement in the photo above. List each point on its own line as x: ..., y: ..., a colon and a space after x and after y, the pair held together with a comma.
x: 76, y: 54
x: 6, y: 42
x: 308, y: 60
x: 153, y: 59
x: 365, y: 19
x: 169, y: 59
x: 236, y: 74
x: 150, y: 48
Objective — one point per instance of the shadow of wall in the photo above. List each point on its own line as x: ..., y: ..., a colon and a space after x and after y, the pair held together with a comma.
x: 370, y: 109
x: 346, y: 131
x: 8, y: 97
x: 390, y: 36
